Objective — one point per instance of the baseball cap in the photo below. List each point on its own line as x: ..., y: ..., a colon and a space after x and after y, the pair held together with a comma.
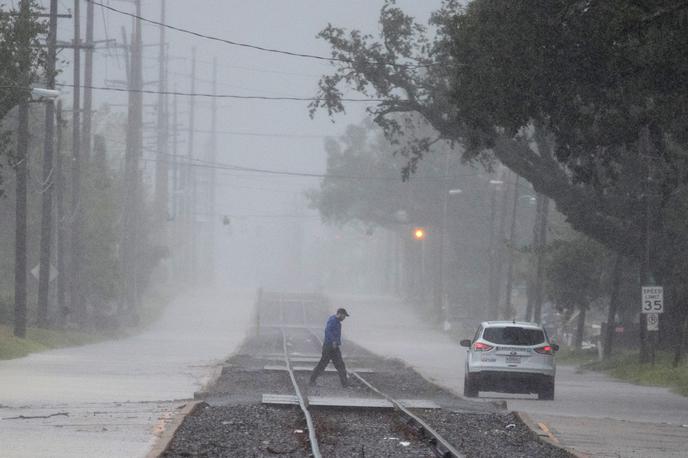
x: 343, y: 311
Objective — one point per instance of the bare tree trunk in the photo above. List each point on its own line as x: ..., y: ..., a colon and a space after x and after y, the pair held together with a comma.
x: 680, y: 347
x: 613, y: 305
x: 580, y: 329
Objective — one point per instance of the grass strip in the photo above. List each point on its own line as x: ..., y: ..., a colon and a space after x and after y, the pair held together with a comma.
x: 626, y: 366
x: 38, y: 339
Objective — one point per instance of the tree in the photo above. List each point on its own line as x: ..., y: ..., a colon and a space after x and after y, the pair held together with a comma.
x: 15, y: 31
x: 575, y: 278
x: 101, y: 272
x: 363, y: 187
x: 579, y: 98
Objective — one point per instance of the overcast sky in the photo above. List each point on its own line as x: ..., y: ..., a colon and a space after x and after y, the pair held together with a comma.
x: 290, y: 25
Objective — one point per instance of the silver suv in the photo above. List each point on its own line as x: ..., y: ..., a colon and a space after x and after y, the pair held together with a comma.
x: 510, y: 357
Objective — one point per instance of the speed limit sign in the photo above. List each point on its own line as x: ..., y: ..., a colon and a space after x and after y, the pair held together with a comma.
x: 652, y: 300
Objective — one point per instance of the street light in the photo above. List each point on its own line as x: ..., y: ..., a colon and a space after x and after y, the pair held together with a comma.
x: 443, y: 243
x: 40, y: 92
x: 419, y: 233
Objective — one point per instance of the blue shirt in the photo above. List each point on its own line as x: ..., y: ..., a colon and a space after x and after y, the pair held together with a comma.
x: 333, y: 331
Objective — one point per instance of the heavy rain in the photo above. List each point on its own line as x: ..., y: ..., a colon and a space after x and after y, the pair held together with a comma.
x: 382, y: 228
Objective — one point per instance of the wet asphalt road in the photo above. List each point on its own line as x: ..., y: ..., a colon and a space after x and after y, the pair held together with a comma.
x: 593, y: 413
x: 110, y: 399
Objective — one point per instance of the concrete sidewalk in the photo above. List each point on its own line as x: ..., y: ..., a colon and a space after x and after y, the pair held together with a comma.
x: 111, y: 399
x: 592, y: 413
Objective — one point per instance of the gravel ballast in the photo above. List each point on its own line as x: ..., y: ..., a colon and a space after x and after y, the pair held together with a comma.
x: 235, y: 424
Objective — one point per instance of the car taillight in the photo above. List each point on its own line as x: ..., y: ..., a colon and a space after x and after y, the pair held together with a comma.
x: 546, y: 350
x: 479, y: 346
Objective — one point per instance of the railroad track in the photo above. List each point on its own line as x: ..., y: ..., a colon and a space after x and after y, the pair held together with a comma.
x: 440, y: 446
x: 251, y: 407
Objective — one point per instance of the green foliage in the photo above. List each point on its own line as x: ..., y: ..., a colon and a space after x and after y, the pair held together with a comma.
x: 626, y: 367
x: 14, y: 79
x: 101, y: 231
x: 575, y: 273
x: 6, y: 308
x: 585, y: 100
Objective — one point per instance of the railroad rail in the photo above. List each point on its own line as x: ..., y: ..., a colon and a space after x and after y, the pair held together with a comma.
x: 312, y: 437
x: 440, y: 446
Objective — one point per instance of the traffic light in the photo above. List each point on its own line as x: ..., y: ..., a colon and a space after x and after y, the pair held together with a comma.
x: 419, y: 233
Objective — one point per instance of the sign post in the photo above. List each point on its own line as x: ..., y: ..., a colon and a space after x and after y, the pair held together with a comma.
x: 652, y: 305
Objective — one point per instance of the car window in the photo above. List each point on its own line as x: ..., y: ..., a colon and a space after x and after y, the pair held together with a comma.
x: 514, y: 335
x: 477, y: 334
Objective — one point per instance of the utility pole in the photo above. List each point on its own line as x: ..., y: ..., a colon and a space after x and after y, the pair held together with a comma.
x: 493, y: 307
x: 508, y: 312
x: 131, y: 214
x: 21, y: 167
x: 48, y: 174
x: 492, y: 315
x: 499, y: 250
x: 88, y: 84
x: 190, y: 186
x: 533, y: 259
x: 162, y: 160
x: 75, y: 218
x: 210, y: 243
x: 175, y: 204
x: 442, y: 267
x: 59, y: 217
x: 540, y: 261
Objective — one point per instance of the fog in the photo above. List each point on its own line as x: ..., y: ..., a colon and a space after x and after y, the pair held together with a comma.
x: 270, y: 236
x: 234, y: 177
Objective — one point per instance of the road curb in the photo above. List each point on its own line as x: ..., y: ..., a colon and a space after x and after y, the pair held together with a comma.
x: 163, y: 443
x: 544, y: 435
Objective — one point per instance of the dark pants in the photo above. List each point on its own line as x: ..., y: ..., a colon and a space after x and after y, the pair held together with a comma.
x: 330, y: 353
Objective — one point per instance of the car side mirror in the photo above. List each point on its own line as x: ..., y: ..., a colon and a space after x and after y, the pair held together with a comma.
x: 465, y: 343
x: 555, y: 347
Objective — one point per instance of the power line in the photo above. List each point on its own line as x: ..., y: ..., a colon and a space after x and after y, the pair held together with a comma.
x: 200, y: 163
x: 250, y: 46
x: 210, y: 95
x: 224, y: 65
x: 265, y: 134
x: 237, y: 168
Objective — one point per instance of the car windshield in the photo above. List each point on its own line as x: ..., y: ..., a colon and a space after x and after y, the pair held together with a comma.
x: 513, y: 335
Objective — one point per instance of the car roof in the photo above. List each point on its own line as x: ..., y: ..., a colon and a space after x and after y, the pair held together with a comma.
x: 500, y: 324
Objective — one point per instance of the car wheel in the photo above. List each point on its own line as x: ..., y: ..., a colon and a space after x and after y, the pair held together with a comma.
x: 547, y: 389
x: 470, y: 386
